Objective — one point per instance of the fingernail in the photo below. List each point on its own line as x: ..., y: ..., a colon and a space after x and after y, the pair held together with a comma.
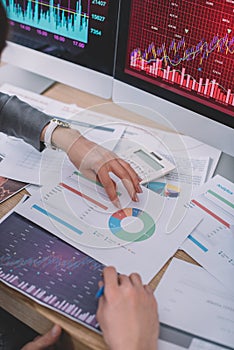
x: 116, y: 202
x: 55, y: 331
x: 135, y: 198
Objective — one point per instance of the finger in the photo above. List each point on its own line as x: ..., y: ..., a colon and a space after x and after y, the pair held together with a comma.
x: 136, y: 280
x: 124, y: 280
x: 129, y: 178
x: 44, y: 341
x: 124, y: 172
x: 100, y: 284
x: 101, y: 305
x: 110, y: 277
x: 108, y: 184
x: 131, y: 189
x: 133, y: 174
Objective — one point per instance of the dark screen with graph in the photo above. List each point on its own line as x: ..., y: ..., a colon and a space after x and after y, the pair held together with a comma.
x: 181, y: 51
x: 79, y: 31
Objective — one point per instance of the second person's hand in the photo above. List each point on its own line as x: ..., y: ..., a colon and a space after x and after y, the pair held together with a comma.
x: 127, y: 312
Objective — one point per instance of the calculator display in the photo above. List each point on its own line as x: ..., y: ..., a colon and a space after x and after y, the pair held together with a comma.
x: 149, y: 160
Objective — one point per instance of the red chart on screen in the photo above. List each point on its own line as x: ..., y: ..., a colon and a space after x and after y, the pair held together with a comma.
x: 186, y: 45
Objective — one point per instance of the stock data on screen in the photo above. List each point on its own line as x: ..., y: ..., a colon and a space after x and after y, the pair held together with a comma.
x: 185, y: 47
x: 75, y: 30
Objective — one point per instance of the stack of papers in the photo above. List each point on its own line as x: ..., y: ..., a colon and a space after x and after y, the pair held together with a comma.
x: 186, y: 209
x: 197, y: 309
x: 195, y: 162
x: 211, y: 244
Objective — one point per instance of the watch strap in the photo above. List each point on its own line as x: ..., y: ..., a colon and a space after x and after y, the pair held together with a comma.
x: 53, y: 124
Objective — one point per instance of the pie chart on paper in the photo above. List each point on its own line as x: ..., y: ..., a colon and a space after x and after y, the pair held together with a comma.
x: 164, y: 189
x: 132, y: 225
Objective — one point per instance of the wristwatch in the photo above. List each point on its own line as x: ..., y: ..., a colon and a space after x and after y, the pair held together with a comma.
x: 53, y: 124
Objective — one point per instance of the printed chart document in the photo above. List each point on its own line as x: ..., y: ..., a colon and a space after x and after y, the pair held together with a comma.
x: 49, y: 271
x: 211, y: 244
x: 196, y: 311
x: 141, y: 236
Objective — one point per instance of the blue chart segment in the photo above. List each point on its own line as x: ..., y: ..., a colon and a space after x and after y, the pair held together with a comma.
x: 48, y: 270
x: 56, y: 18
x: 141, y: 235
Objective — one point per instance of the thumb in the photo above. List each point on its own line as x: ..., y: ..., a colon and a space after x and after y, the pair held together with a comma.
x: 44, y: 341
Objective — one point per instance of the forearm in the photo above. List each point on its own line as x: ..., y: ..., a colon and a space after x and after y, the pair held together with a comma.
x: 19, y: 119
x: 62, y: 138
x: 70, y: 141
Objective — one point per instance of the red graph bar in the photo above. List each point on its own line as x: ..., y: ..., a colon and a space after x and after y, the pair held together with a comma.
x: 208, y: 211
x: 209, y: 88
x: 73, y: 190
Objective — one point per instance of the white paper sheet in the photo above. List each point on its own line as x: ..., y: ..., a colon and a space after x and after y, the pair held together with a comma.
x: 24, y: 163
x: 180, y: 146
x: 212, y: 242
x: 194, y: 302
x: 176, y: 146
x: 142, y: 237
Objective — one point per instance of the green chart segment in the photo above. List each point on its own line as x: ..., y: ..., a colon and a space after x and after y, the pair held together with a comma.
x: 146, y: 232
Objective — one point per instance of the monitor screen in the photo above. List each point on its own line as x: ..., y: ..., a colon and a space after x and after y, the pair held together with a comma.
x: 180, y: 52
x: 67, y: 36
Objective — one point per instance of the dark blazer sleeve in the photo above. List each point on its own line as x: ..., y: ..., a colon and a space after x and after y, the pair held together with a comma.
x: 19, y: 119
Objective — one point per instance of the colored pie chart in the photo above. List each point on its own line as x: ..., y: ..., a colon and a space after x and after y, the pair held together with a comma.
x: 164, y: 189
x: 132, y: 225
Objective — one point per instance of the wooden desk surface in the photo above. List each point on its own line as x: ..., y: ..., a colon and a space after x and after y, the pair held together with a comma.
x: 36, y: 316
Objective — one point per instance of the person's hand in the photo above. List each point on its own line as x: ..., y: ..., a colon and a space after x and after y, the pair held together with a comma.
x: 45, y: 341
x: 96, y: 162
x: 127, y: 312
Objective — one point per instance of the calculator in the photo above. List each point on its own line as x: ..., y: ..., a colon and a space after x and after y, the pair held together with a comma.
x: 149, y: 165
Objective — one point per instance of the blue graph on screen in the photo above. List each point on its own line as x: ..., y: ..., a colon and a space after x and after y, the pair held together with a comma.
x: 56, y: 18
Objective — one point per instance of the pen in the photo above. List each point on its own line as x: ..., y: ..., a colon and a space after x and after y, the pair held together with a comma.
x: 100, y: 292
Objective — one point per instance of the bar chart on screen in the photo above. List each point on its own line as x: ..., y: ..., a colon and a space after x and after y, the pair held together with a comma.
x: 173, y: 51
x: 67, y: 20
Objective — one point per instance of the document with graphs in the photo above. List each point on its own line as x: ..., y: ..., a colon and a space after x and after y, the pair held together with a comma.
x: 211, y: 244
x: 141, y: 236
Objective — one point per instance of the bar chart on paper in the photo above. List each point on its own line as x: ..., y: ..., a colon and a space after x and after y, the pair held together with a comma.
x: 78, y: 211
x: 81, y: 210
x: 212, y: 242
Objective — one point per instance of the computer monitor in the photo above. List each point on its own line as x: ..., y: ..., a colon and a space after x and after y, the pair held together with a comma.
x: 72, y: 42
x: 176, y: 58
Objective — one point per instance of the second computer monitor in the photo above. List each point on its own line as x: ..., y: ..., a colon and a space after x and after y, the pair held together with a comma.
x: 176, y: 58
